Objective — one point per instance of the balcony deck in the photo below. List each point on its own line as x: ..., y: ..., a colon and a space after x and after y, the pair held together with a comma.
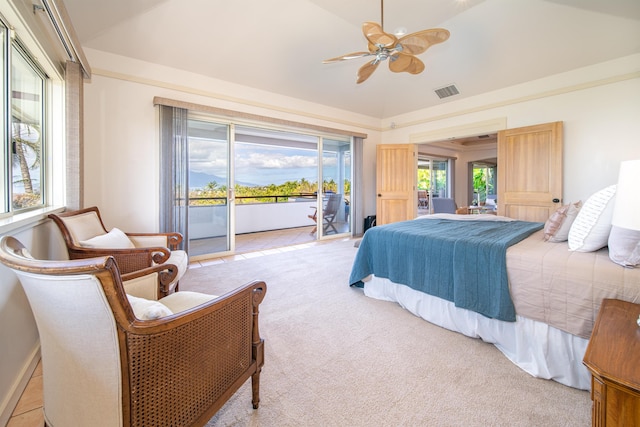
x: 263, y: 240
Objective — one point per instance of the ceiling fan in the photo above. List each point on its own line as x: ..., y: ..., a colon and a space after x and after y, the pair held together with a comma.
x: 399, y: 51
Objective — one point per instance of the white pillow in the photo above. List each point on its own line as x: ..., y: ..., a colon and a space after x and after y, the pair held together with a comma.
x: 624, y: 246
x: 145, y: 309
x: 590, y: 230
x: 115, y: 239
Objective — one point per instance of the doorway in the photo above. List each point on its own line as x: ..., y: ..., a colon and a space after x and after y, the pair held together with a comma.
x: 483, y: 175
x: 433, y: 180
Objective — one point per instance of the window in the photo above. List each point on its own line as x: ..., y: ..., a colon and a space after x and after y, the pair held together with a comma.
x: 23, y: 126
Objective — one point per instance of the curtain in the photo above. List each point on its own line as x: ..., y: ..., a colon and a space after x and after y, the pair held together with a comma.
x: 74, y: 104
x: 174, y: 178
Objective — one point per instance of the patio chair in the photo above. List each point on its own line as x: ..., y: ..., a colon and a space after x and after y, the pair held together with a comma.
x: 329, y: 214
x: 85, y: 236
x: 112, y: 358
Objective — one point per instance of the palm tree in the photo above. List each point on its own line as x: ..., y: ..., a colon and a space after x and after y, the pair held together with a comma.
x: 26, y: 138
x: 211, y: 187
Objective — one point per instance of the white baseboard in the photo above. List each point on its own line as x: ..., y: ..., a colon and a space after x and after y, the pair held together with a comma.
x: 10, y: 401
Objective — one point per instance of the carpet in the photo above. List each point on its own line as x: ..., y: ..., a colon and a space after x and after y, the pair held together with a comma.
x: 334, y: 357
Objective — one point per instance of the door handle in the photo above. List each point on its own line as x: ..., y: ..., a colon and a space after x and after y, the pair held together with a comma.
x: 379, y: 195
x: 556, y: 200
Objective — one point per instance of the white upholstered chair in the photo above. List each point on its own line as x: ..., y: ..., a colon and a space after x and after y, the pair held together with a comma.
x: 86, y: 236
x: 105, y: 365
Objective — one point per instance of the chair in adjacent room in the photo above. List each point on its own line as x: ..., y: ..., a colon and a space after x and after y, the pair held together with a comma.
x: 112, y: 357
x: 86, y: 236
x: 423, y: 199
x: 491, y: 203
x: 444, y: 205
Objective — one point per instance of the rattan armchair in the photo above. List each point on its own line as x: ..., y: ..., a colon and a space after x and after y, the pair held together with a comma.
x: 103, y: 366
x: 139, y: 251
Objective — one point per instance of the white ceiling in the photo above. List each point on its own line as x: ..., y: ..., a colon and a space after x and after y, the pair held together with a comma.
x: 279, y: 45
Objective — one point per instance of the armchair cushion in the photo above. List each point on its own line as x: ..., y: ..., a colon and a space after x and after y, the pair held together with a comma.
x: 184, y: 300
x: 114, y: 239
x: 146, y: 309
x: 83, y: 226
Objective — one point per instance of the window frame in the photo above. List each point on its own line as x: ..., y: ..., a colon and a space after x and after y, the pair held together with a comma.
x: 17, y: 48
x: 53, y: 156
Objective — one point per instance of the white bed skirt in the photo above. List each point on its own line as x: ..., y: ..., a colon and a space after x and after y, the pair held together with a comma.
x: 539, y: 349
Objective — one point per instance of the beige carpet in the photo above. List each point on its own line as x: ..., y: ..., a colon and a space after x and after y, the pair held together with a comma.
x: 335, y: 357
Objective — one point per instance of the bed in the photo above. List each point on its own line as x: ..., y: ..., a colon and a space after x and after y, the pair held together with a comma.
x: 544, y: 321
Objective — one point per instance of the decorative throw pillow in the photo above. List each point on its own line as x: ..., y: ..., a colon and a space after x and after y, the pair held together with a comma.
x: 557, y: 227
x: 114, y: 239
x: 145, y: 309
x: 624, y: 246
x: 590, y: 230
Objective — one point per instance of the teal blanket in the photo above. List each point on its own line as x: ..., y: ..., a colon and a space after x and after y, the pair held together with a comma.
x: 460, y: 261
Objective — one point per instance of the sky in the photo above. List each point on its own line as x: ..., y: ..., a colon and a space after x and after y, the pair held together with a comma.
x: 258, y: 164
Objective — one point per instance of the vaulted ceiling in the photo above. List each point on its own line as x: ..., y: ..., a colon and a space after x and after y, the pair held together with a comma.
x: 278, y: 45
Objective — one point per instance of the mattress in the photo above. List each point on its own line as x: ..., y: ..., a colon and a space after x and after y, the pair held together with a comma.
x: 564, y: 289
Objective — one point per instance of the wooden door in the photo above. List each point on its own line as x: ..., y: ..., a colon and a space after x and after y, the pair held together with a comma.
x: 396, y: 183
x: 530, y: 171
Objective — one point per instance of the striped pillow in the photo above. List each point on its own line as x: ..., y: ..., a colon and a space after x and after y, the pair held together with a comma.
x: 590, y: 230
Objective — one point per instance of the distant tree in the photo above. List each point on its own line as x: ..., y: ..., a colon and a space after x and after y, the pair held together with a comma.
x: 211, y: 187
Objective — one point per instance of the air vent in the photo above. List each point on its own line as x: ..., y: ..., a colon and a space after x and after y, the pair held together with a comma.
x: 447, y: 91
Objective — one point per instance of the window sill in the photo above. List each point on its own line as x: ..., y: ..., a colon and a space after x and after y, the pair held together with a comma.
x: 26, y: 219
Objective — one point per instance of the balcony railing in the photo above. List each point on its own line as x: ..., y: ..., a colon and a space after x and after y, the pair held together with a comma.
x: 280, y: 198
x: 281, y: 212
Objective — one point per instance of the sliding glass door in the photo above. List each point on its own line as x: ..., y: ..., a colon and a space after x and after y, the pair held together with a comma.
x: 210, y: 187
x: 226, y: 179
x: 336, y: 187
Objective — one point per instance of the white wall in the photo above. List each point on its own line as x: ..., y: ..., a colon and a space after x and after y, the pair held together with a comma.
x: 121, y: 129
x: 599, y: 105
x: 19, y: 341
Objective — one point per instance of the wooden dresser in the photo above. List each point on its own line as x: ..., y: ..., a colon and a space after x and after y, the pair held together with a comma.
x: 613, y: 358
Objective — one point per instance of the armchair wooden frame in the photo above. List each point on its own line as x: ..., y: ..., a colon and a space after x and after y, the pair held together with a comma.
x: 129, y: 260
x: 176, y: 370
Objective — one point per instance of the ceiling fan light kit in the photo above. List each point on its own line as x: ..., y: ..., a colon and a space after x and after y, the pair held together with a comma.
x: 401, y: 52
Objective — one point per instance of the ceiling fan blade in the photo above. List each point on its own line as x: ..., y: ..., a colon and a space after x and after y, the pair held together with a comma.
x: 418, y: 42
x: 366, y: 70
x: 402, y: 62
x: 353, y: 55
x: 376, y: 35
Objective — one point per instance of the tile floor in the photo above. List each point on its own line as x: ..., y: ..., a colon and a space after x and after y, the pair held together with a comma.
x: 28, y: 411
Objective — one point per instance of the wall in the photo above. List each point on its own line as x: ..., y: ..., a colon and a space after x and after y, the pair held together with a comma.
x: 121, y: 129
x: 19, y: 339
x: 598, y: 105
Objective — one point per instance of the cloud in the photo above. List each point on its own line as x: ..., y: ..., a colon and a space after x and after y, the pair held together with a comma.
x: 258, y: 164
x: 259, y: 160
